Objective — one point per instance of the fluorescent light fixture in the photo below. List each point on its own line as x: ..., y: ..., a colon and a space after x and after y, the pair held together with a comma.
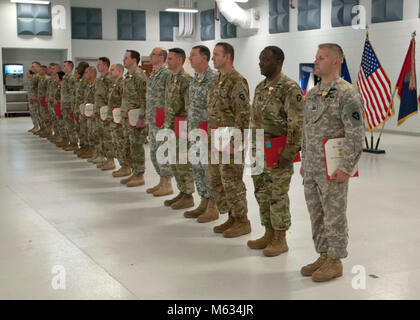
x: 241, y: 1
x: 30, y: 1
x: 185, y: 10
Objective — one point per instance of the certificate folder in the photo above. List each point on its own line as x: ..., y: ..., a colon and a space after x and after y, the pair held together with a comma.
x: 272, y: 148
x: 160, y: 117
x: 333, y: 153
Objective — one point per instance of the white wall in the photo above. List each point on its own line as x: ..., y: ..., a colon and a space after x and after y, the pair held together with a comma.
x: 390, y: 41
x: 60, y: 39
x: 114, y: 49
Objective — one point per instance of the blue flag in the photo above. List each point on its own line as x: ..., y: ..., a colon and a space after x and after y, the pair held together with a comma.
x: 345, y: 74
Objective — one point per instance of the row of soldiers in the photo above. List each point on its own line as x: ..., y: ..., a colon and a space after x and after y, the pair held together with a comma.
x: 208, y: 101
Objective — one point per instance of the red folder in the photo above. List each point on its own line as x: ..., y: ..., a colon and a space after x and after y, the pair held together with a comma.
x: 160, y: 117
x: 177, y: 120
x: 72, y: 115
x: 42, y: 101
x: 77, y: 120
x: 57, y: 110
x: 31, y: 101
x: 204, y: 126
x: 272, y: 148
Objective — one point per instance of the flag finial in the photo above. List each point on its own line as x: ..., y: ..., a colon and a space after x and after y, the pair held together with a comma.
x: 413, y: 35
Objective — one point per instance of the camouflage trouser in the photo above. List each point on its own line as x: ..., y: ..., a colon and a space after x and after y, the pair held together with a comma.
x: 76, y: 115
x: 228, y: 189
x: 92, y: 134
x: 108, y: 146
x: 54, y: 121
x: 46, y: 115
x: 271, y: 188
x: 69, y: 124
x: 201, y: 178
x: 120, y: 152
x: 100, y: 136
x: 83, y: 133
x: 183, y: 174
x: 136, y: 138
x: 60, y: 127
x: 33, y: 114
x: 38, y: 114
x: 163, y: 170
x: 327, y: 203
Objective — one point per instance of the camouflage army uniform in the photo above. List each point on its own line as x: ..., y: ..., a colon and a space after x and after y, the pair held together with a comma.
x: 91, y: 121
x: 197, y: 112
x: 50, y: 121
x: 33, y: 97
x: 80, y: 90
x: 176, y: 101
x: 117, y: 134
x: 228, y: 106
x: 61, y: 130
x: 134, y: 97
x: 67, y: 100
x: 155, y: 98
x: 102, y: 86
x: 42, y: 92
x: 331, y: 110
x: 278, y: 109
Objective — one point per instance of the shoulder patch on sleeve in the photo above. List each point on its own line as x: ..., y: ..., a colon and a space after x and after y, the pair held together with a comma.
x: 354, y: 113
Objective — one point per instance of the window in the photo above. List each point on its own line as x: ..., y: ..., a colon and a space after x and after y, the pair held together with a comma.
x: 86, y: 23
x: 33, y: 19
x: 387, y: 10
x: 279, y: 16
x: 341, y: 12
x: 227, y: 29
x: 131, y: 25
x: 309, y: 14
x: 207, y: 25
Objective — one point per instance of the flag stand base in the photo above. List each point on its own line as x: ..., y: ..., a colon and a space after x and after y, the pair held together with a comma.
x: 374, y: 151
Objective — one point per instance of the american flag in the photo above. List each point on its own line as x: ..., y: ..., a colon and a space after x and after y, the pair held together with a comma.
x: 375, y: 88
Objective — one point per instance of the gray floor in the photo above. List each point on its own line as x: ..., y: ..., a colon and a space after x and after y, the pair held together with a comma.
x: 113, y: 242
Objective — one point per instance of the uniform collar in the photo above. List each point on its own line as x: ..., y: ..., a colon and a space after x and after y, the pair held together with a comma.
x: 273, y: 82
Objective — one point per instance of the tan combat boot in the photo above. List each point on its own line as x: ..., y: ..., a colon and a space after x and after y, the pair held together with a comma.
x: 240, y: 227
x: 100, y: 164
x: 122, y: 172
x: 186, y: 201
x: 168, y: 203
x: 198, y: 211
x: 124, y: 181
x: 70, y: 147
x: 108, y: 165
x: 165, y: 188
x: 32, y: 130
x: 211, y: 213
x: 332, y: 268
x: 278, y: 244
x: 80, y: 152
x: 153, y: 189
x: 88, y: 154
x: 224, y: 226
x: 35, y: 129
x: 94, y: 157
x: 64, y: 142
x: 99, y: 159
x: 309, y: 269
x: 264, y: 241
x: 136, y: 180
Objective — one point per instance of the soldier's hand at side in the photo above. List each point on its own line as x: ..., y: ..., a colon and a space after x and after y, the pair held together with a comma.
x: 302, y: 172
x: 141, y: 123
x: 282, y: 162
x: 340, y: 176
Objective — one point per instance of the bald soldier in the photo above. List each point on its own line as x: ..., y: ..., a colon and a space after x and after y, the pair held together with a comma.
x: 228, y: 106
x: 155, y: 103
x: 333, y: 109
x: 176, y: 100
x: 278, y: 110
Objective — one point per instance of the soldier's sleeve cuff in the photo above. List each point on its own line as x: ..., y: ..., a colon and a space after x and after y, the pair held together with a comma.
x: 346, y: 166
x: 290, y: 152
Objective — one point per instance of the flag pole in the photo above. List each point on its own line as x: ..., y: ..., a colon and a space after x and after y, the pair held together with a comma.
x: 413, y: 35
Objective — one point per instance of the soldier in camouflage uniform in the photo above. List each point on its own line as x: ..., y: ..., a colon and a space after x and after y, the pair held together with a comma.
x: 79, y: 97
x: 61, y: 131
x: 52, y: 119
x: 176, y: 101
x: 333, y: 109
x: 278, y: 109
x: 90, y: 76
x: 48, y: 119
x: 228, y: 106
x: 114, y: 101
x: 197, y: 114
x: 102, y: 85
x: 33, y: 89
x: 42, y: 91
x: 134, y: 97
x: 67, y: 100
x: 155, y: 98
x: 31, y: 94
